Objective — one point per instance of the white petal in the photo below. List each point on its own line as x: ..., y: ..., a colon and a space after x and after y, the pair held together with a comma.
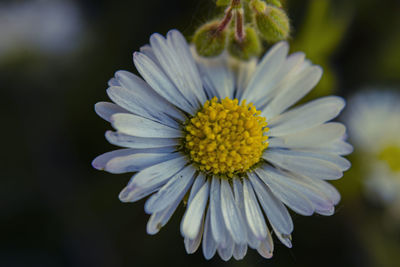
x: 327, y: 212
x: 254, y: 216
x: 197, y: 185
x: 158, y: 80
x: 191, y: 245
x: 279, y: 81
x: 106, y: 109
x: 179, y: 66
x: 124, y: 140
x: 239, y: 200
x: 216, y: 220
x: 298, y: 87
x: 239, y: 251
x: 132, y: 194
x: 278, y: 144
x: 100, y: 162
x: 193, y: 217
x: 265, y: 71
x: 326, y: 188
x: 209, y: 245
x: 136, y: 162
x: 266, y: 247
x: 159, y: 219
x: 113, y: 82
x: 284, y: 238
x: 337, y: 160
x: 148, y: 51
x: 217, y: 76
x: 303, y: 163
x: 276, y: 212
x: 244, y: 74
x: 147, y: 97
x: 316, y: 197
x: 177, y: 42
x: 137, y: 104
x: 238, y: 193
x: 306, y: 116
x: 138, y: 126
x: 226, y: 252
x: 295, y: 200
x: 150, y: 179
x: 175, y: 188
x: 316, y: 136
x: 339, y: 147
x: 232, y: 217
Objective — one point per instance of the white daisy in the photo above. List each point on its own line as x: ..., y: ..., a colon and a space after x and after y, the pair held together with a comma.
x: 374, y: 127
x: 195, y: 132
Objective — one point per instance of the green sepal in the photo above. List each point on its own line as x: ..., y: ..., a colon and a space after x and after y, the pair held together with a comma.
x: 248, y: 48
x: 209, y: 40
x: 273, y: 24
x: 276, y: 3
x: 258, y: 5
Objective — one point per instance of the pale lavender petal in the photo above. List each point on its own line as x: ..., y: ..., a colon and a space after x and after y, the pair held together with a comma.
x: 276, y: 212
x: 175, y: 188
x: 209, y: 245
x: 191, y: 222
x: 106, y: 109
x: 150, y: 179
x: 231, y: 214
x: 141, y: 127
x: 124, y: 140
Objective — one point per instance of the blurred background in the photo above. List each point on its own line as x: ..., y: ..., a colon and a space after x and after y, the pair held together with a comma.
x: 56, y: 57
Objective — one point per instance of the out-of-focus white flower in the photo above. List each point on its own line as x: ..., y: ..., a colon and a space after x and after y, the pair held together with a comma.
x: 198, y: 128
x: 46, y: 26
x: 373, y: 118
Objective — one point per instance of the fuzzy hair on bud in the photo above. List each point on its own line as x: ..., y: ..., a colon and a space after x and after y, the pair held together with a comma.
x: 273, y: 24
x: 249, y: 47
x: 274, y: 2
x: 210, y: 40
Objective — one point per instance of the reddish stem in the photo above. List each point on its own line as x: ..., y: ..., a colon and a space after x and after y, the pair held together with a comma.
x: 225, y: 21
x: 239, y: 27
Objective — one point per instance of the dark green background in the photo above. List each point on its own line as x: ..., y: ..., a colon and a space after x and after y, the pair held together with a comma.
x: 56, y: 210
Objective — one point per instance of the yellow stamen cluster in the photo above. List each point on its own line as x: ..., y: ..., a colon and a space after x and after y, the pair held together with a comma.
x: 391, y: 154
x: 225, y: 137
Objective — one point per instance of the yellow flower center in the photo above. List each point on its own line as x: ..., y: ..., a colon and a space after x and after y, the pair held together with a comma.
x: 225, y: 137
x: 391, y: 154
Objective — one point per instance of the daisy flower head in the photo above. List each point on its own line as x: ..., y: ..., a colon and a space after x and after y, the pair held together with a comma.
x: 374, y: 127
x: 221, y: 137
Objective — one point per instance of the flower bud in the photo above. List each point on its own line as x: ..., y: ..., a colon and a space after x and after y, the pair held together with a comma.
x: 210, y: 39
x: 274, y: 2
x: 249, y: 47
x: 273, y: 24
x: 258, y: 5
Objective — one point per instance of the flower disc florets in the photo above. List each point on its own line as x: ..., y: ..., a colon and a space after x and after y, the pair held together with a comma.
x: 225, y: 137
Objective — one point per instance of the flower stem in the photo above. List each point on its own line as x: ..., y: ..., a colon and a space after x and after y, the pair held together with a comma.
x: 240, y: 34
x: 226, y: 20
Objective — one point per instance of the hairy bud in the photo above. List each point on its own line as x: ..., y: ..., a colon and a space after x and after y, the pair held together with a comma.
x: 210, y: 39
x: 274, y: 2
x: 244, y: 49
x: 273, y: 24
